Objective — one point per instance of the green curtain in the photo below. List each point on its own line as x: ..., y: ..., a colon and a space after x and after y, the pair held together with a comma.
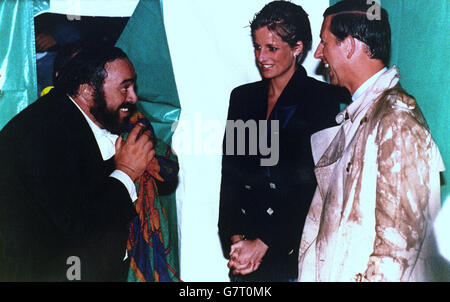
x: 420, y: 48
x: 18, y: 80
x: 145, y: 42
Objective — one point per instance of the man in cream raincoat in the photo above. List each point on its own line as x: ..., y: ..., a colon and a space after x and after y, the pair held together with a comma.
x: 378, y: 172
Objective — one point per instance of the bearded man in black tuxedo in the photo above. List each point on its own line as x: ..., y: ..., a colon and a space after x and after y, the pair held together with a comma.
x: 67, y: 177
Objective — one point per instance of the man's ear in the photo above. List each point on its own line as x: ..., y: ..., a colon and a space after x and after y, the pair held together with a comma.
x: 350, y: 46
x: 86, y: 92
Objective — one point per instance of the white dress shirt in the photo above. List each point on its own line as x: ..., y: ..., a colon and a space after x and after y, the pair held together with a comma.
x: 367, y: 84
x: 106, y: 142
x: 356, y: 100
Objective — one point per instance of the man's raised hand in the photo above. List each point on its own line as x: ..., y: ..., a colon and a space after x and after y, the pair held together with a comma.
x: 133, y: 155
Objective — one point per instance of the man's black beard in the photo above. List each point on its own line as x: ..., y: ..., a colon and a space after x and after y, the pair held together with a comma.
x: 110, y: 119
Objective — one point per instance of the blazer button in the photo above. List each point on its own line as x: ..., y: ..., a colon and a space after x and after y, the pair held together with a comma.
x: 272, y: 186
x: 243, y: 211
x: 270, y: 211
x: 364, y: 120
x: 248, y: 187
x: 349, y: 165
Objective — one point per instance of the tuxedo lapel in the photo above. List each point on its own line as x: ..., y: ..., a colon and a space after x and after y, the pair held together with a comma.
x: 329, y: 158
x: 77, y: 126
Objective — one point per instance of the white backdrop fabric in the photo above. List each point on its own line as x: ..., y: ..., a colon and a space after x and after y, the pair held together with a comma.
x: 97, y: 8
x: 212, y: 53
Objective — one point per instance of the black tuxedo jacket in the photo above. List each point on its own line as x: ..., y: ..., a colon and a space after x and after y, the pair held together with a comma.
x: 57, y: 199
x: 271, y: 203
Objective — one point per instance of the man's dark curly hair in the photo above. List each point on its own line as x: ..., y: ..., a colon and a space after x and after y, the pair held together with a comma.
x: 87, y: 67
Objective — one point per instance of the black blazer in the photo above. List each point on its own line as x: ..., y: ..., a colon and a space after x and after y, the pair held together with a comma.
x: 271, y: 203
x: 57, y: 199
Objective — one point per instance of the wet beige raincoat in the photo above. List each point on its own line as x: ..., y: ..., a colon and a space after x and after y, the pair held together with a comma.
x: 378, y: 192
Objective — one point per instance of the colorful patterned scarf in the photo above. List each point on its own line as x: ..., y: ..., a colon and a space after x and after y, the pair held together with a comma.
x: 152, y: 244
